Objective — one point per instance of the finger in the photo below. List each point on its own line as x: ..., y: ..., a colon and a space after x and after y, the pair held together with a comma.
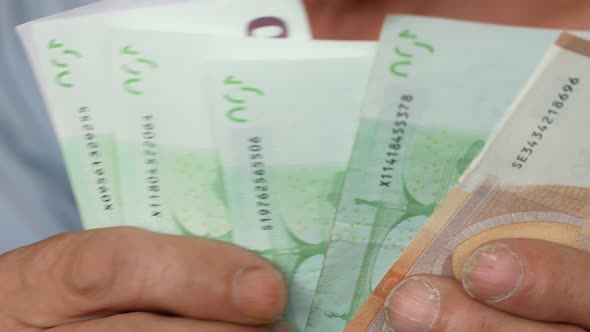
x: 82, y: 275
x: 533, y: 279
x: 438, y: 304
x: 146, y: 322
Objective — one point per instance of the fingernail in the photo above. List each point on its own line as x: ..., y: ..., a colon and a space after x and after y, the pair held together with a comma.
x: 413, y: 306
x: 281, y: 327
x: 493, y: 273
x: 260, y: 293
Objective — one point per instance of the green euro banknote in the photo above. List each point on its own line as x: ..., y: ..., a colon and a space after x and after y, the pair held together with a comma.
x: 170, y: 174
x: 69, y: 57
x: 284, y: 131
x: 438, y: 89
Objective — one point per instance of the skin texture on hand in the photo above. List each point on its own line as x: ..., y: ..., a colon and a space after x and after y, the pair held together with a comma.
x: 362, y: 19
x: 125, y: 279
x: 508, y: 285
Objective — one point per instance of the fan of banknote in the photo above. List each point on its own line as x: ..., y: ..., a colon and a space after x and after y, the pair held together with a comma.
x: 348, y: 164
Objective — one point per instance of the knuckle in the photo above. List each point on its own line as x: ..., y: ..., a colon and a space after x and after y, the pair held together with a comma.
x: 31, y: 278
x: 104, y: 265
x: 38, y: 261
x: 70, y: 273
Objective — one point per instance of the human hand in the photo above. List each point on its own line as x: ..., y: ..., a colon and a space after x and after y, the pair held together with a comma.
x: 125, y: 279
x: 509, y: 285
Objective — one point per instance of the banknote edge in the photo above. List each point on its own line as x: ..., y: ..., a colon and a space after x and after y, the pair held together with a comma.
x: 370, y: 309
x: 573, y: 43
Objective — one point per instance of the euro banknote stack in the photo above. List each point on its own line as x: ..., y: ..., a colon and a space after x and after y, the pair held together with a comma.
x: 349, y: 164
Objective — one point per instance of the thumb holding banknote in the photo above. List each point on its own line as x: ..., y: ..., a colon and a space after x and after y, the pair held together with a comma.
x: 509, y: 285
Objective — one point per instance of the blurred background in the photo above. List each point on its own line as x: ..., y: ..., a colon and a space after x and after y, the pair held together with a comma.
x: 35, y: 196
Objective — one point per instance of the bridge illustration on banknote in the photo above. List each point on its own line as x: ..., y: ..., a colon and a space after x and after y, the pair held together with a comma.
x: 390, y: 215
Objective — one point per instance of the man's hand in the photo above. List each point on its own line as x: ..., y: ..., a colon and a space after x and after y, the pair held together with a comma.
x: 510, y: 285
x: 127, y: 280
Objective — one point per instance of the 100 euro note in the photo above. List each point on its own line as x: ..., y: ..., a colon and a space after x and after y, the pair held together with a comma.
x: 90, y: 167
x: 285, y: 130
x: 531, y: 181
x: 437, y: 90
x: 70, y: 72
x: 170, y: 178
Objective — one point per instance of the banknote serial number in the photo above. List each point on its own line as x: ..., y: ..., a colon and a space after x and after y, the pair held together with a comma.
x: 96, y: 158
x: 394, y: 145
x: 152, y: 165
x: 260, y: 183
x: 545, y: 123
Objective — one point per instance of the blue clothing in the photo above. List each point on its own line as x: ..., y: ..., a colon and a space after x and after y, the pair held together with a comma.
x: 35, y: 196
